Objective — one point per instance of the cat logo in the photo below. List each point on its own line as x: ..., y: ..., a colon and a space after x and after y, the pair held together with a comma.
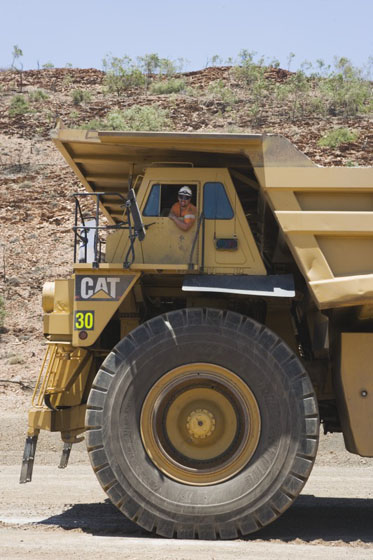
x: 101, y: 288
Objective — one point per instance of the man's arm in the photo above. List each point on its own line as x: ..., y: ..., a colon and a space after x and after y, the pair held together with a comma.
x: 184, y: 226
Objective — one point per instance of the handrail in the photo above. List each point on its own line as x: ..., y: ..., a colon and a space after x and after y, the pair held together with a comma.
x: 200, y: 219
x: 81, y: 230
x: 132, y: 214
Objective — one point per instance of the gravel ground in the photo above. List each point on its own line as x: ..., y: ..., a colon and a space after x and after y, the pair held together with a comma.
x: 66, y: 512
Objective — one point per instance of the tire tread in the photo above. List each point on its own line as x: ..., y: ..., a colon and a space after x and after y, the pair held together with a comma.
x: 164, y: 327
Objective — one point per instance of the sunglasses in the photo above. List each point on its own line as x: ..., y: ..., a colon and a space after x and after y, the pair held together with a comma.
x: 183, y: 197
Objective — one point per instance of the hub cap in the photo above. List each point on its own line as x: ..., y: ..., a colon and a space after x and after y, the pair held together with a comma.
x: 200, y: 424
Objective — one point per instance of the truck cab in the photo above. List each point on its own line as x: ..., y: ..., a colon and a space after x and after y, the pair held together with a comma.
x: 219, y: 241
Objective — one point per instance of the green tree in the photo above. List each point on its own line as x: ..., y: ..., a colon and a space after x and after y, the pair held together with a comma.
x: 296, y: 91
x: 121, y: 74
x: 169, y: 67
x: 344, y: 90
x: 215, y: 60
x: 16, y: 54
x: 249, y: 71
x: 149, y: 63
x: 291, y: 55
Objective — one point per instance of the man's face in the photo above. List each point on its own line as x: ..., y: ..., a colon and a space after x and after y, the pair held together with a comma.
x: 183, y: 200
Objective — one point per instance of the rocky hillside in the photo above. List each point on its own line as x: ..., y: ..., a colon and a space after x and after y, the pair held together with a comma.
x: 36, y: 184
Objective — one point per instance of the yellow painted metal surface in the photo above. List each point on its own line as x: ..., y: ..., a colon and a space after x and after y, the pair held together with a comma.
x: 103, y: 161
x: 63, y: 376
x: 57, y: 398
x: 200, y: 424
x: 70, y: 314
x: 98, y: 295
x: 326, y: 215
x: 326, y: 219
x: 58, y: 298
x: 165, y: 244
x: 68, y: 421
x: 356, y: 379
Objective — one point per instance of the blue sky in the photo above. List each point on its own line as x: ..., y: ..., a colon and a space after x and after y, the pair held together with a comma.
x: 82, y: 32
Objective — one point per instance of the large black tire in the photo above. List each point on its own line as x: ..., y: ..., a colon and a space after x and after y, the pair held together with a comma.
x: 283, y: 456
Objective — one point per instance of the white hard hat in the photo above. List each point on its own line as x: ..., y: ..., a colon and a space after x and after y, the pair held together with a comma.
x: 186, y: 191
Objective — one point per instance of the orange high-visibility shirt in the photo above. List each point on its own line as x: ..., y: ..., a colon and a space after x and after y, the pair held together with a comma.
x: 188, y: 213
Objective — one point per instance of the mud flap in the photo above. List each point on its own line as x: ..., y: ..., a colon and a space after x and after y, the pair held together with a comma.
x: 65, y: 455
x: 28, y: 459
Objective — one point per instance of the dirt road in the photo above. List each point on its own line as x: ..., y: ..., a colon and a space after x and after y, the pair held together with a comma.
x: 64, y: 513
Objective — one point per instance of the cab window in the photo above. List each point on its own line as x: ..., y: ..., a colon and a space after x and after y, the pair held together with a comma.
x: 152, y: 207
x: 216, y: 205
x: 162, y: 196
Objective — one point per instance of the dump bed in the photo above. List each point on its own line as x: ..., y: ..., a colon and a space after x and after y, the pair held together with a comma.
x: 326, y: 214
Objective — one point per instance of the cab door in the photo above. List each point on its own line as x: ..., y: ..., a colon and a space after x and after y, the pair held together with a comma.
x: 165, y: 243
x: 227, y: 244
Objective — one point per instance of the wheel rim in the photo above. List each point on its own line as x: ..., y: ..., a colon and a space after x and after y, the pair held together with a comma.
x: 200, y: 424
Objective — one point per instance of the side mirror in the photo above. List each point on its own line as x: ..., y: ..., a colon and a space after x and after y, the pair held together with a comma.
x: 136, y: 216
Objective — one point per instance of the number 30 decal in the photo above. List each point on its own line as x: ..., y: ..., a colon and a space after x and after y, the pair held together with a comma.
x: 84, y: 320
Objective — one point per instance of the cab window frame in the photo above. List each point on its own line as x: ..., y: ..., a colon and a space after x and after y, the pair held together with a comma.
x: 165, y: 200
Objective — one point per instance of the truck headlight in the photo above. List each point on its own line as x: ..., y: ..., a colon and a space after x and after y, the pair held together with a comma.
x: 47, y: 297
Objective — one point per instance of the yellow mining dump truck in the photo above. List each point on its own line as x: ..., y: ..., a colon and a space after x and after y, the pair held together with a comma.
x: 198, y: 353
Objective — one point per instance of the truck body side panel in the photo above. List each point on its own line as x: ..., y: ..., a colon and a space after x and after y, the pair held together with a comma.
x: 355, y: 391
x: 326, y: 215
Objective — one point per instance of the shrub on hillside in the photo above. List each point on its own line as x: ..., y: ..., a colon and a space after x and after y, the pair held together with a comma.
x: 173, y: 85
x: 220, y: 92
x: 38, y: 95
x: 346, y: 93
x: 19, y: 105
x: 154, y: 67
x: 121, y: 74
x: 80, y: 96
x: 335, y: 90
x: 248, y: 71
x: 298, y: 93
x: 135, y: 118
x: 338, y: 136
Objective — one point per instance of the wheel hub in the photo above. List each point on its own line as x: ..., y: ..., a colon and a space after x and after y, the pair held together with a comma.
x: 200, y: 424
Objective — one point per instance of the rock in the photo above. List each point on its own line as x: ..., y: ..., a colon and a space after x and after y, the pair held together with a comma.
x: 14, y: 281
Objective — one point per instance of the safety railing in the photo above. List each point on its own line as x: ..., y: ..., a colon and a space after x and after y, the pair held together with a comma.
x: 87, y: 241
